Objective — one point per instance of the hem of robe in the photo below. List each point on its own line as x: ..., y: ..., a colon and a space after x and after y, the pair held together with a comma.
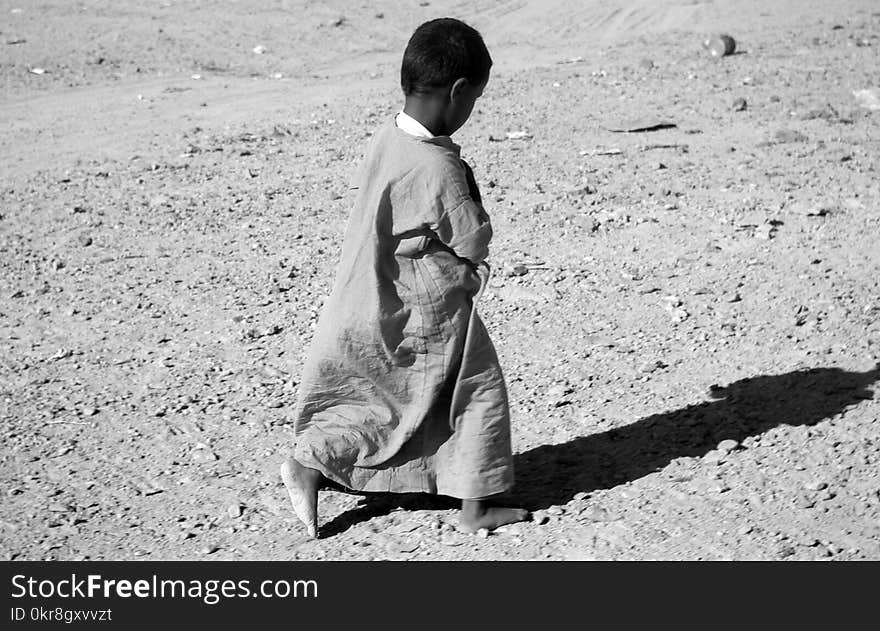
x: 414, y: 478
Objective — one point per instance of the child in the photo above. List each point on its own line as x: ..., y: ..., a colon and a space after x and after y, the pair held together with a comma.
x: 402, y: 391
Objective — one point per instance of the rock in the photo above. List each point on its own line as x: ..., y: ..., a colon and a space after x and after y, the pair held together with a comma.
x: 259, y: 50
x: 739, y: 105
x: 518, y: 270
x: 483, y: 533
x: 679, y: 315
x: 726, y: 446
x: 714, y: 457
x: 765, y: 231
x: 868, y: 98
x: 804, y: 502
x: 235, y: 511
x: 85, y: 240
x: 744, y: 530
x: 203, y: 456
x: 651, y: 366
x: 449, y: 539
x: 557, y: 394
x: 815, y: 485
x: 210, y: 549
x: 540, y: 518
x: 598, y: 514
x: 825, y: 495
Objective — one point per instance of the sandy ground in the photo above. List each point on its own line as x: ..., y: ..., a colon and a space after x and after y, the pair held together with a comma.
x: 687, y: 318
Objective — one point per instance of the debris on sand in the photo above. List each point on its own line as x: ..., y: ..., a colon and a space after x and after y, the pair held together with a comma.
x: 868, y: 98
x: 203, y: 455
x: 653, y: 146
x: 720, y: 45
x: 651, y: 366
x: 640, y: 125
x: 613, y: 151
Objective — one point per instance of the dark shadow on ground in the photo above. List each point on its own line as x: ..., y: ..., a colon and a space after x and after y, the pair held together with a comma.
x: 553, y: 474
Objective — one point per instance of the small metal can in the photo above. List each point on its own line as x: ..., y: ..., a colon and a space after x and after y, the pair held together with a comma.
x: 720, y: 45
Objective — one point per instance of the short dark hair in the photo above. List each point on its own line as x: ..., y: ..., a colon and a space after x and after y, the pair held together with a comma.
x: 440, y: 52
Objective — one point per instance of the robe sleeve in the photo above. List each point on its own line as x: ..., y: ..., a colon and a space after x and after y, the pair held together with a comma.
x: 445, y: 197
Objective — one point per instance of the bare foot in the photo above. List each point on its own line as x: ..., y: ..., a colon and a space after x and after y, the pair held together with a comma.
x: 477, y: 514
x: 302, y: 485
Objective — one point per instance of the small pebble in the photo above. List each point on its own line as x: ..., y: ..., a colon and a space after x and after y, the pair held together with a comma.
x: 815, y: 485
x: 714, y: 457
x: 203, y: 456
x: 85, y: 240
x: 805, y: 502
x: 825, y: 495
x: 726, y: 446
x: 449, y: 539
x: 651, y: 366
x: 744, y: 529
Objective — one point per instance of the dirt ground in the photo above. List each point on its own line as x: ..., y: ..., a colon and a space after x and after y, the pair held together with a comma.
x: 688, y: 318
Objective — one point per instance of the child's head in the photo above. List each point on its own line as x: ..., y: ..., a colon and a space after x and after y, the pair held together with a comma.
x: 447, y: 62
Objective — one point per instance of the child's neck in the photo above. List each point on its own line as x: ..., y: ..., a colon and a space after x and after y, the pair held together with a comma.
x: 428, y: 111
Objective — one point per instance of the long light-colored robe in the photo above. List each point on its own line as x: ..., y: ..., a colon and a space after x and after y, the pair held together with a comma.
x: 402, y: 390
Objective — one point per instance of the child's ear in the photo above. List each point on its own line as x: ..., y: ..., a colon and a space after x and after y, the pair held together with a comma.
x: 457, y: 88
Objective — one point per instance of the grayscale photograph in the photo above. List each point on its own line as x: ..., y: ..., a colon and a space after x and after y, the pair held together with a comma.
x: 293, y: 280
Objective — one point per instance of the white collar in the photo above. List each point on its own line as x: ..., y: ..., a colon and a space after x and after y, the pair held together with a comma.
x: 411, y: 126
